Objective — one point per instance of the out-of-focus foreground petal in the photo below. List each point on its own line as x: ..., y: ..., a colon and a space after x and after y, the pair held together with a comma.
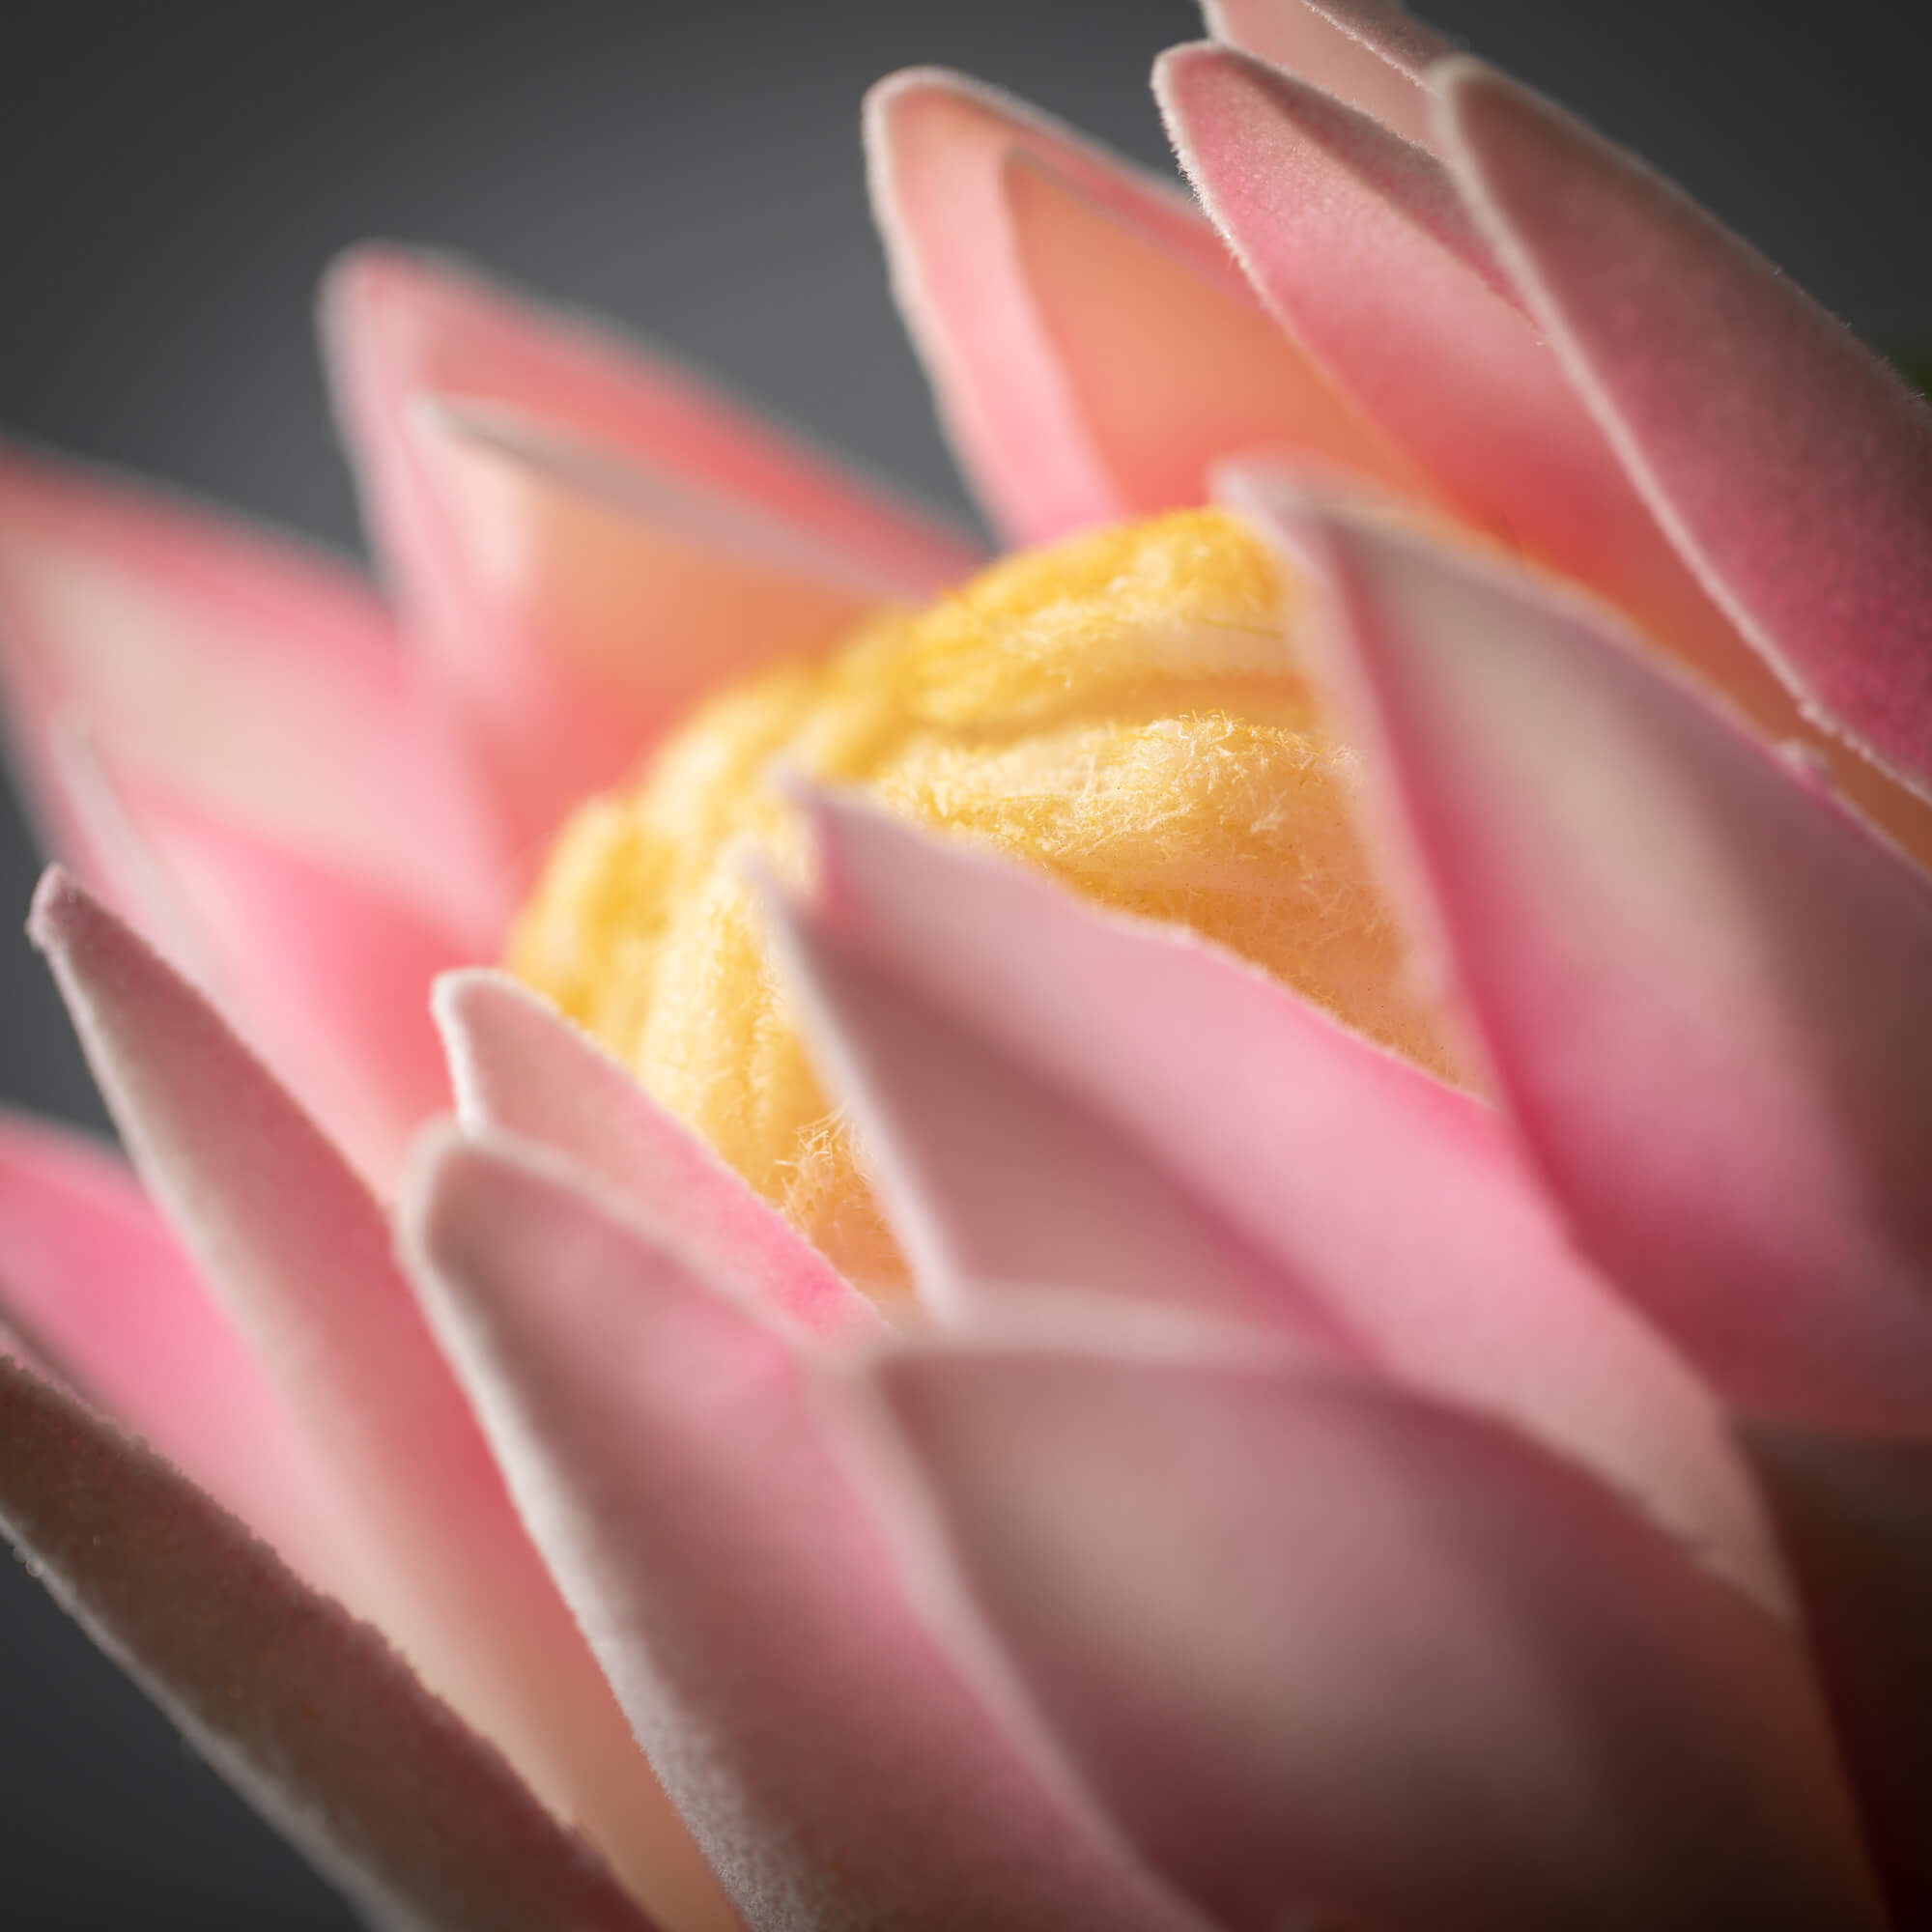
x: 327, y: 976
x: 1231, y: 1152
x: 1368, y: 252
x: 1857, y: 1521
x: 219, y: 734
x: 675, y: 1458
x: 97, y: 1291
x: 1093, y: 350
x: 1699, y: 984
x: 245, y: 678
x: 521, y: 1068
x: 1328, y: 1649
x: 1792, y: 466
x: 300, y: 1255
x: 583, y: 538
x: 308, y: 1713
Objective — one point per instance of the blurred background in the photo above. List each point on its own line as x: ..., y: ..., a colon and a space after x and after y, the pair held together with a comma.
x: 173, y: 179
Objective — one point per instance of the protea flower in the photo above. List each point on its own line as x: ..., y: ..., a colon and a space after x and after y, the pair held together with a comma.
x: 1367, y: 1044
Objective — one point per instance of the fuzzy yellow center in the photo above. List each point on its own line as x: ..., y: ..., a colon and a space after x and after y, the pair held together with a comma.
x: 1122, y: 711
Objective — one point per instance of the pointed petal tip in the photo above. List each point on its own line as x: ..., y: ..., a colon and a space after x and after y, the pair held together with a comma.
x: 1694, y: 980
x: 59, y: 902
x: 454, y: 1183
x: 523, y: 1071
x: 1458, y: 84
x: 1369, y: 54
x: 1175, y: 66
x: 361, y: 275
x: 1789, y: 466
x: 1061, y: 298
x: 1302, y: 511
x: 432, y: 1181
x: 455, y: 995
x: 647, y: 1422
x: 481, y: 1206
x: 888, y: 94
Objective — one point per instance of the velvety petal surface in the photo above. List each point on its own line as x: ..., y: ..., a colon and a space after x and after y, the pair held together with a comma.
x: 309, y: 1714
x: 1856, y: 1518
x: 1003, y: 1189
x: 1700, y: 985
x: 100, y: 1293
x: 1332, y: 1654
x: 251, y: 678
x: 520, y: 1067
x: 1790, y: 465
x: 1366, y: 250
x: 1093, y: 350
x: 676, y: 1457
x: 1054, y: 1098
x: 300, y: 1253
x: 1373, y: 54
x: 584, y: 537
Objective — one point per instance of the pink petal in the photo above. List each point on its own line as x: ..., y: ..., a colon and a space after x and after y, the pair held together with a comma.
x: 1371, y: 53
x: 299, y: 1255
x: 1092, y: 349
x: 537, y: 485
x: 1856, y: 1518
x: 1328, y: 1651
x: 1002, y: 1188
x: 327, y: 975
x: 314, y: 1720
x: 245, y: 675
x: 520, y: 1066
x: 1700, y: 985
x: 1381, y: 1208
x: 96, y: 1289
x: 101, y: 842
x: 1791, y: 466
x: 1365, y: 249
x: 676, y: 1454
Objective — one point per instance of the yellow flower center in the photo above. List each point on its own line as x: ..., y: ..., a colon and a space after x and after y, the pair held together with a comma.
x: 1122, y: 711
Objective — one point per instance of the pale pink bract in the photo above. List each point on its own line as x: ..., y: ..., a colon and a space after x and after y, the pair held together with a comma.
x: 1314, y: 1494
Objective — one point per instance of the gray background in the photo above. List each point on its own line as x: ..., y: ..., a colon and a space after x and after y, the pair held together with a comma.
x: 173, y: 178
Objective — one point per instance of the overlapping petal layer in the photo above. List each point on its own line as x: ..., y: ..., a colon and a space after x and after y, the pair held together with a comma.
x: 523, y: 1070
x: 223, y: 735
x: 1287, y: 1512
x: 1373, y: 54
x: 582, y: 537
x: 1328, y: 1650
x: 308, y: 1713
x: 1794, y: 469
x: 1092, y: 349
x: 677, y: 1461
x: 96, y: 1291
x: 1226, y: 1153
x: 238, y: 674
x: 300, y: 1253
x: 1699, y: 984
x: 1371, y: 254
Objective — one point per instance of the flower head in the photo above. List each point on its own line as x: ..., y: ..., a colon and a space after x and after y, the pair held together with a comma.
x: 1298, y: 1486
